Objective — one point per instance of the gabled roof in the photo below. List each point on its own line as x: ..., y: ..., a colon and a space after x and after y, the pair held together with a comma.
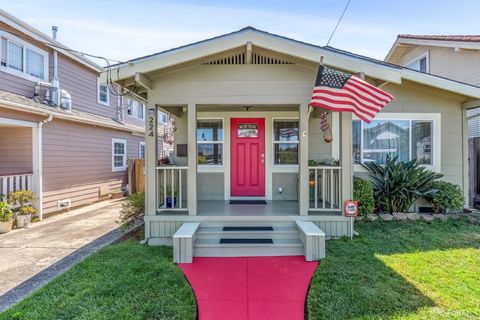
x: 309, y: 52
x: 35, y: 34
x: 406, y: 42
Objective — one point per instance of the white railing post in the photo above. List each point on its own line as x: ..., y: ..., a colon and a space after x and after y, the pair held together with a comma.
x: 327, y: 187
x: 170, y: 174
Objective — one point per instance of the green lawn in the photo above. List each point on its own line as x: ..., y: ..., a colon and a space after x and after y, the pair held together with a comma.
x: 122, y: 281
x: 400, y: 271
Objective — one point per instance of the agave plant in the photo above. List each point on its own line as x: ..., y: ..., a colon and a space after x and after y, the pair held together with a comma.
x: 397, y: 184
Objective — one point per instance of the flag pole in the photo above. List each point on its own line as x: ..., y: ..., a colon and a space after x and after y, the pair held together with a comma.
x: 310, y: 108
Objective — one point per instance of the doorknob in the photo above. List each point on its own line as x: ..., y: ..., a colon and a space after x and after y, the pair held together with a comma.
x: 263, y: 158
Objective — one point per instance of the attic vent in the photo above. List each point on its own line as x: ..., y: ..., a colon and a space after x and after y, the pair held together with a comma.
x: 261, y: 59
x: 234, y: 59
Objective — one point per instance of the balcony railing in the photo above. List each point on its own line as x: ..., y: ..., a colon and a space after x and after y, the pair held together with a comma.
x: 14, y: 182
x: 325, y: 188
x: 171, y: 195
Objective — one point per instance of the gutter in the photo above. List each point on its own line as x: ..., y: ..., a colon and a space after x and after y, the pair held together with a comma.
x: 40, y: 165
x: 22, y: 107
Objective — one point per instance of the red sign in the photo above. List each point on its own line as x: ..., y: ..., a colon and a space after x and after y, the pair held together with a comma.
x: 350, y: 208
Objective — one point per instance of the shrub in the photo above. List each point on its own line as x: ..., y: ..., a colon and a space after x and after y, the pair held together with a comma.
x: 6, y: 214
x: 397, y: 185
x: 132, y: 209
x: 363, y: 193
x: 447, y: 197
x: 22, y: 197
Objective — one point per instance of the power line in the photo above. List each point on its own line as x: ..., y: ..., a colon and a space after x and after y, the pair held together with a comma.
x: 338, y: 22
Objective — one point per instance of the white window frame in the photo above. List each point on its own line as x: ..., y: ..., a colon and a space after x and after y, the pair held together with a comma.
x: 435, y: 118
x: 140, y: 145
x: 166, y: 118
x: 282, y: 142
x: 222, y: 142
x: 133, y: 105
x: 124, y: 166
x: 25, y: 45
x: 427, y: 61
x: 105, y: 103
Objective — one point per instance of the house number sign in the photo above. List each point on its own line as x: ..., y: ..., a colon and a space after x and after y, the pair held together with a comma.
x: 151, y: 122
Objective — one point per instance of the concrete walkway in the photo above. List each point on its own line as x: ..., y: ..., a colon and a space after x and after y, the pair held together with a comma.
x: 250, y: 288
x: 31, y: 257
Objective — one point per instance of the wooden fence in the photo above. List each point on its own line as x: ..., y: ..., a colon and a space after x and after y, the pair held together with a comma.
x: 136, y: 175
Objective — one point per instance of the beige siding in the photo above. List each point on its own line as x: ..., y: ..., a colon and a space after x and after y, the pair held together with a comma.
x: 77, y: 160
x: 412, y: 98
x: 15, y: 150
x: 460, y: 65
x: 210, y: 186
x: 289, y: 184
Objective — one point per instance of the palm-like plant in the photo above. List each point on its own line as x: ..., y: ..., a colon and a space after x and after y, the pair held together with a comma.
x: 397, y: 184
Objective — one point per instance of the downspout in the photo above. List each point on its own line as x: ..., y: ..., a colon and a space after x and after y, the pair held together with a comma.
x: 40, y: 165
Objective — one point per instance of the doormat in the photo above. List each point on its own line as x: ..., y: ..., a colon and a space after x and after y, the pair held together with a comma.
x: 247, y: 229
x: 246, y: 241
x: 248, y: 202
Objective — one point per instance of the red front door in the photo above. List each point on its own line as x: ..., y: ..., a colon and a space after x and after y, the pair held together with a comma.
x: 247, y: 172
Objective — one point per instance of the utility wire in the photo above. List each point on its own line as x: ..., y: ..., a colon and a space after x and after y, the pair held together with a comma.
x: 338, y: 22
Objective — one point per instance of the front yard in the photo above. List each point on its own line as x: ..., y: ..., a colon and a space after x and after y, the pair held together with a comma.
x: 391, y: 271
x: 400, y: 271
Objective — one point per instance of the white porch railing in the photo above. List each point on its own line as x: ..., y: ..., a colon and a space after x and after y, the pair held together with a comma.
x: 14, y: 182
x: 325, y: 188
x: 171, y: 182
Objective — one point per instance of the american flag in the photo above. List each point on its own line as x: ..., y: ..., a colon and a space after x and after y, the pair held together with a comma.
x: 340, y: 91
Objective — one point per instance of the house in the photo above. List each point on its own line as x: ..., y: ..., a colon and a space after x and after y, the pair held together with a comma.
x: 245, y: 134
x: 455, y: 57
x: 72, y: 152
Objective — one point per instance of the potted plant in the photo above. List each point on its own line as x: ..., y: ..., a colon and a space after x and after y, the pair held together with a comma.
x: 6, y: 217
x: 25, y: 199
x: 170, y: 202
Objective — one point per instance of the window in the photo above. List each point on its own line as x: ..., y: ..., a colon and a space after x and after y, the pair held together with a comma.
x: 210, y: 142
x: 141, y: 150
x: 103, y: 96
x: 162, y: 117
x: 119, y: 155
x: 22, y: 59
x: 136, y: 109
x: 406, y: 139
x: 420, y: 64
x: 285, y: 142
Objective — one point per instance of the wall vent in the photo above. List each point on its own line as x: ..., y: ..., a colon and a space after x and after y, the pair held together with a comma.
x: 263, y: 59
x: 64, y: 204
x: 240, y: 58
x: 233, y: 59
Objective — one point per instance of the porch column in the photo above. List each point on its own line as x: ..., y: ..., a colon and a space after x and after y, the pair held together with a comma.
x: 151, y: 138
x: 37, y: 167
x: 346, y: 155
x: 303, y: 194
x: 192, y: 159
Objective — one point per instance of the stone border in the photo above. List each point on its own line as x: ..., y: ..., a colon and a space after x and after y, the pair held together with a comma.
x: 473, y: 217
x: 30, y: 285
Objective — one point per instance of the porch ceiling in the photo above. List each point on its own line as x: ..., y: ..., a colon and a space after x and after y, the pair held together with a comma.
x: 178, y: 110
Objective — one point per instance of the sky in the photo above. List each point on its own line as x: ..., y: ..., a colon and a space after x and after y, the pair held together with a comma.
x: 123, y: 30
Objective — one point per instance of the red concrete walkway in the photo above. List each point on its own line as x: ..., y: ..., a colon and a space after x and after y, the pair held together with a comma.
x: 251, y: 287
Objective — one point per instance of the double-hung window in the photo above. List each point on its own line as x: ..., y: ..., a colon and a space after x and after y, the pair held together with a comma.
x: 210, y: 142
x: 22, y: 58
x: 407, y: 139
x: 141, y: 150
x: 119, y: 155
x: 285, y: 142
x: 103, y: 94
x: 136, y: 109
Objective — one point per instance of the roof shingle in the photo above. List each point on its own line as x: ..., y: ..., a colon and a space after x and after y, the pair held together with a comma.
x: 465, y: 38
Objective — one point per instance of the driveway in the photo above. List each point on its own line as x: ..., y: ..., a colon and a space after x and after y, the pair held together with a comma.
x: 26, y: 252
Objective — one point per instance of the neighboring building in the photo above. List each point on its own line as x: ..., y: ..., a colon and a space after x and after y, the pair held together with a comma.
x: 70, y: 155
x: 455, y: 57
x: 244, y: 133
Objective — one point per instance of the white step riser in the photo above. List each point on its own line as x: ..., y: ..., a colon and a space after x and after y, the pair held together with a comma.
x: 248, y: 251
x: 248, y: 224
x: 248, y: 235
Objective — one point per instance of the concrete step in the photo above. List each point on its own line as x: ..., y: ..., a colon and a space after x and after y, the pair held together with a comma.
x: 283, y: 232
x: 279, y: 247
